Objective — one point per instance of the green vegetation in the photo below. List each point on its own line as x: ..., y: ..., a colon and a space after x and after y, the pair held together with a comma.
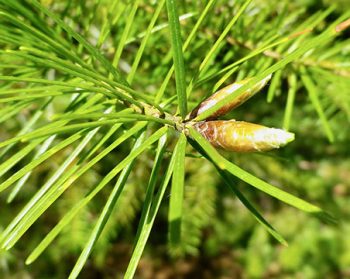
x: 102, y: 174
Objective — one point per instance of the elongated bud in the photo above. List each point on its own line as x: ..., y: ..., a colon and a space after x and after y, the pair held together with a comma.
x: 239, y: 136
x: 224, y: 92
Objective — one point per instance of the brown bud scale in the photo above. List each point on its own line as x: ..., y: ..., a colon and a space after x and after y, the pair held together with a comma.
x: 223, y: 93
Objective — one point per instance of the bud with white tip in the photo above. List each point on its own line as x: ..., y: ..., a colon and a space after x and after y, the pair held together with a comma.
x: 240, y: 136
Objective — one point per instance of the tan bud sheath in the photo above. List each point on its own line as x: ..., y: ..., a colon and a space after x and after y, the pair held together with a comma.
x: 224, y: 92
x: 239, y: 136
